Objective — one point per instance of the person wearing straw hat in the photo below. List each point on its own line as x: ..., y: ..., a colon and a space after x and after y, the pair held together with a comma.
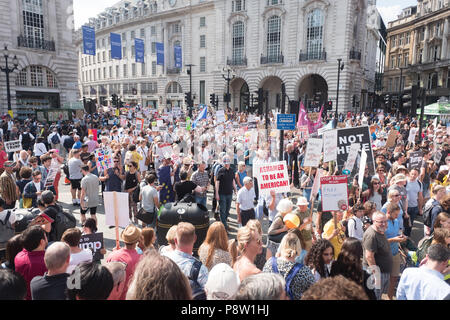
x: 278, y: 229
x: 305, y: 227
x: 398, y: 184
x: 128, y: 255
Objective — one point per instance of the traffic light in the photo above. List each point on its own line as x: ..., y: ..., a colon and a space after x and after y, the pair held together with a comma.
x: 227, y: 97
x: 330, y: 105
x: 114, y: 100
x: 217, y: 102
x: 188, y: 99
x: 212, y: 99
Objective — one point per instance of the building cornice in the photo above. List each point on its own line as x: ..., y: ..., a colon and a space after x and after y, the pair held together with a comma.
x: 431, y: 16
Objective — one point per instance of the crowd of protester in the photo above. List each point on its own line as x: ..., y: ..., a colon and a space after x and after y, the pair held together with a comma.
x: 364, y: 252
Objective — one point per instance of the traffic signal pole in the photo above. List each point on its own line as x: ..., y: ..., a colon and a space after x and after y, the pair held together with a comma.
x: 283, y: 111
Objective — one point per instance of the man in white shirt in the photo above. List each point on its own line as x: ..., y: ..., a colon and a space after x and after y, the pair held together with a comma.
x: 355, y: 224
x: 58, y: 138
x: 426, y: 282
x: 245, y: 202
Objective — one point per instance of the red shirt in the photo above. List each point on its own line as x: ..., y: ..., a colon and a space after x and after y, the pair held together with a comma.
x: 30, y: 265
x: 3, y: 158
x: 131, y: 258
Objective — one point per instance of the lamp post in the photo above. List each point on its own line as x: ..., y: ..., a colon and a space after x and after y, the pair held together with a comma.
x: 400, y: 90
x: 190, y: 88
x: 7, y: 70
x: 340, y: 68
x: 228, y: 78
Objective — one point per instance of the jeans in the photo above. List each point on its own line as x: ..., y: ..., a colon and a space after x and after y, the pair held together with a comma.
x: 412, y: 212
x: 200, y: 200
x: 225, y: 206
x: 247, y: 215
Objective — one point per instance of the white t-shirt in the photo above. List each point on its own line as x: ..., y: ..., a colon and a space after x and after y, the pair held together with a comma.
x: 355, y: 232
x: 84, y: 255
x: 12, y: 217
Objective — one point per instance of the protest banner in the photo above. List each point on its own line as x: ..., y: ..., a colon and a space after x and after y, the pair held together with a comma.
x: 412, y: 135
x: 362, y: 168
x: 334, y: 192
x: 93, y: 242
x: 103, y: 158
x: 415, y: 160
x: 13, y: 146
x: 437, y: 156
x: 330, y: 145
x: 313, y: 153
x: 303, y: 133
x: 390, y: 142
x: 352, y: 155
x: 272, y: 176
x: 139, y: 124
x: 116, y: 211
x: 349, y: 136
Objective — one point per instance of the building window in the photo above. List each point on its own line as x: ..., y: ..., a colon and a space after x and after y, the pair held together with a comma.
x: 153, y: 30
x: 202, y: 41
x: 22, y: 78
x: 400, y: 40
x: 202, y: 21
x: 390, y: 85
x: 274, y: 36
x: 274, y: 2
x: 143, y: 69
x: 33, y: 22
x: 104, y: 73
x: 133, y: 35
x: 393, y: 41
x: 133, y: 51
x: 124, y: 36
x: 104, y: 56
x: 399, y: 60
x: 142, y: 35
x: 117, y: 72
x: 202, y: 92
x: 133, y: 70
x: 153, y: 47
x: 110, y: 72
x: 153, y: 68
x: 202, y: 64
x: 238, y: 5
x: 124, y: 52
x: 406, y: 59
x: 238, y: 41
x: 37, y: 76
x: 124, y: 70
x: 176, y: 28
x: 314, y: 37
x: 396, y: 84
x: 407, y: 39
x: 435, y: 53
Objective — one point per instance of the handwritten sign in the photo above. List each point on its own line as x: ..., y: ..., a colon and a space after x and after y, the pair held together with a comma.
x: 303, y: 133
x: 93, y: 242
x: 352, y: 155
x: 272, y: 176
x: 390, y: 143
x: 103, y: 157
x: 362, y: 168
x: 13, y: 146
x: 415, y: 160
x: 94, y: 133
x: 412, y: 135
x: 330, y: 145
x: 313, y: 153
x: 334, y: 191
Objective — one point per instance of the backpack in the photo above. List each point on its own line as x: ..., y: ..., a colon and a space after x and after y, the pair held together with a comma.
x: 6, y: 230
x: 68, y: 143
x: 26, y: 139
x: 290, y: 276
x: 198, y: 293
x: 216, y: 167
x: 422, y: 249
x: 427, y: 208
x: 55, y: 139
x: 64, y: 220
x: 345, y: 224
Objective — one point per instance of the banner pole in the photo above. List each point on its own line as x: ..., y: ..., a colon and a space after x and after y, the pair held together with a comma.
x: 116, y: 220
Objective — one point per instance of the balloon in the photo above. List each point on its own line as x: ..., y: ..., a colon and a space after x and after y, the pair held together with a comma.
x: 292, y: 221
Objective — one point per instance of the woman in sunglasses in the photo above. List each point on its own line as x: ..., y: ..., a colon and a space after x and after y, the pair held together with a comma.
x: 374, y: 193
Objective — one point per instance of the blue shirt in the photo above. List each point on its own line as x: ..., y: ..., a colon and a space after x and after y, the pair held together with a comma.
x: 422, y: 284
x: 77, y: 145
x: 392, y: 232
x: 400, y: 216
x: 185, y: 262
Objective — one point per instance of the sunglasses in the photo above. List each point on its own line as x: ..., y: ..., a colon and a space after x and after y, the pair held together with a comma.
x: 376, y: 183
x: 396, y: 195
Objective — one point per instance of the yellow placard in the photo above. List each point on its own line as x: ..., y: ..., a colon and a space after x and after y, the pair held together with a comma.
x: 10, y: 112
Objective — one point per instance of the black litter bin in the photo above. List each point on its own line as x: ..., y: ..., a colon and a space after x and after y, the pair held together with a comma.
x: 174, y: 213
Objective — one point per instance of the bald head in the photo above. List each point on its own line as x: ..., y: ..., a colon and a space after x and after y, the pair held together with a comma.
x: 57, y: 255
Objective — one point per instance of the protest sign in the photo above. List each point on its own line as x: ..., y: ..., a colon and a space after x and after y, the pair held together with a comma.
x: 13, y: 146
x: 349, y: 136
x: 272, y: 176
x: 123, y: 121
x: 316, y: 184
x: 220, y: 116
x: 313, y: 153
x: 120, y: 208
x: 330, y: 145
x: 303, y: 133
x: 104, y: 160
x: 139, y: 124
x: 437, y: 156
x: 334, y: 192
x: 93, y: 242
x: 412, y: 135
x: 50, y: 177
x: 390, y: 143
x: 352, y: 155
x: 362, y: 168
x: 415, y: 160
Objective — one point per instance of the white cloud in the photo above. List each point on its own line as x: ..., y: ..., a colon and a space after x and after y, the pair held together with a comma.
x: 85, y: 9
x: 390, y: 13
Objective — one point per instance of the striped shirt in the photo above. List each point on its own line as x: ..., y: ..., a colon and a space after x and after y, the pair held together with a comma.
x: 200, y: 179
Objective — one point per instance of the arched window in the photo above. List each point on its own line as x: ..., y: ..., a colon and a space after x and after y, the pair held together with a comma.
x: 314, y: 40
x: 36, y: 76
x: 174, y: 87
x: 238, y: 41
x: 273, y: 37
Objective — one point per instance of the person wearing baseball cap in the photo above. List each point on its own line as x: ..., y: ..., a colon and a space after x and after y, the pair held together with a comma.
x: 128, y: 255
x: 223, y: 283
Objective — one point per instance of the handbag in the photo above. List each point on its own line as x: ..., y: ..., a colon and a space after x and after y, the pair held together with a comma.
x: 407, y: 222
x: 27, y: 202
x: 277, y: 237
x: 144, y: 216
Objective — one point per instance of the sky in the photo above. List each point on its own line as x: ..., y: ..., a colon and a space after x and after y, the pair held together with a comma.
x: 85, y: 9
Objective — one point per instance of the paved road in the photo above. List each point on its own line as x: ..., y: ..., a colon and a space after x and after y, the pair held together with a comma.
x: 109, y: 234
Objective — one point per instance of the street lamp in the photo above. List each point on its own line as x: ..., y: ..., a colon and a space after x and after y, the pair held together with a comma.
x: 340, y: 68
x: 7, y: 70
x: 400, y: 90
x: 228, y: 78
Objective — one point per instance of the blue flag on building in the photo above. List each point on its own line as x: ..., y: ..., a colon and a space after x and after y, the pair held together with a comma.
x: 116, y: 46
x: 160, y: 53
x: 88, y: 40
x: 202, y: 115
x: 178, y: 57
x: 139, y: 48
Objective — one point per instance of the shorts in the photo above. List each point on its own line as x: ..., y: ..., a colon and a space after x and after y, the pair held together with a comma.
x: 396, y: 260
x: 75, y: 183
x: 93, y: 211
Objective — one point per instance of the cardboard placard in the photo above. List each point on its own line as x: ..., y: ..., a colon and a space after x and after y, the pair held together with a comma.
x: 103, y: 158
x: 334, y: 192
x: 313, y: 153
x: 390, y: 142
x: 330, y: 145
x: 352, y: 155
x: 93, y: 242
x: 123, y: 220
x: 272, y: 176
x: 412, y: 135
x: 13, y: 146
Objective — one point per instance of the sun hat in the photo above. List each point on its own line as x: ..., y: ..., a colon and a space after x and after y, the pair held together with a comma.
x: 223, y: 282
x: 302, y: 201
x: 399, y: 177
x: 131, y: 234
x: 285, y: 205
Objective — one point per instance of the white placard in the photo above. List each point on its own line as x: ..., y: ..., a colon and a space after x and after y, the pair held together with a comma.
x: 272, y: 176
x: 121, y: 210
x: 412, y: 135
x: 159, y: 123
x: 220, y: 116
x: 334, y: 193
x: 313, y: 153
x: 316, y: 184
x: 330, y: 146
x: 13, y: 146
x: 352, y: 155
x: 362, y: 168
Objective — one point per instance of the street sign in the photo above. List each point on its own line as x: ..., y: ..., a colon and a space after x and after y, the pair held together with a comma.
x: 286, y: 121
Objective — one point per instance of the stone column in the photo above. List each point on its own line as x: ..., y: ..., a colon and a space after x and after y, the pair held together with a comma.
x: 444, y: 40
x: 415, y: 41
x: 425, y: 45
